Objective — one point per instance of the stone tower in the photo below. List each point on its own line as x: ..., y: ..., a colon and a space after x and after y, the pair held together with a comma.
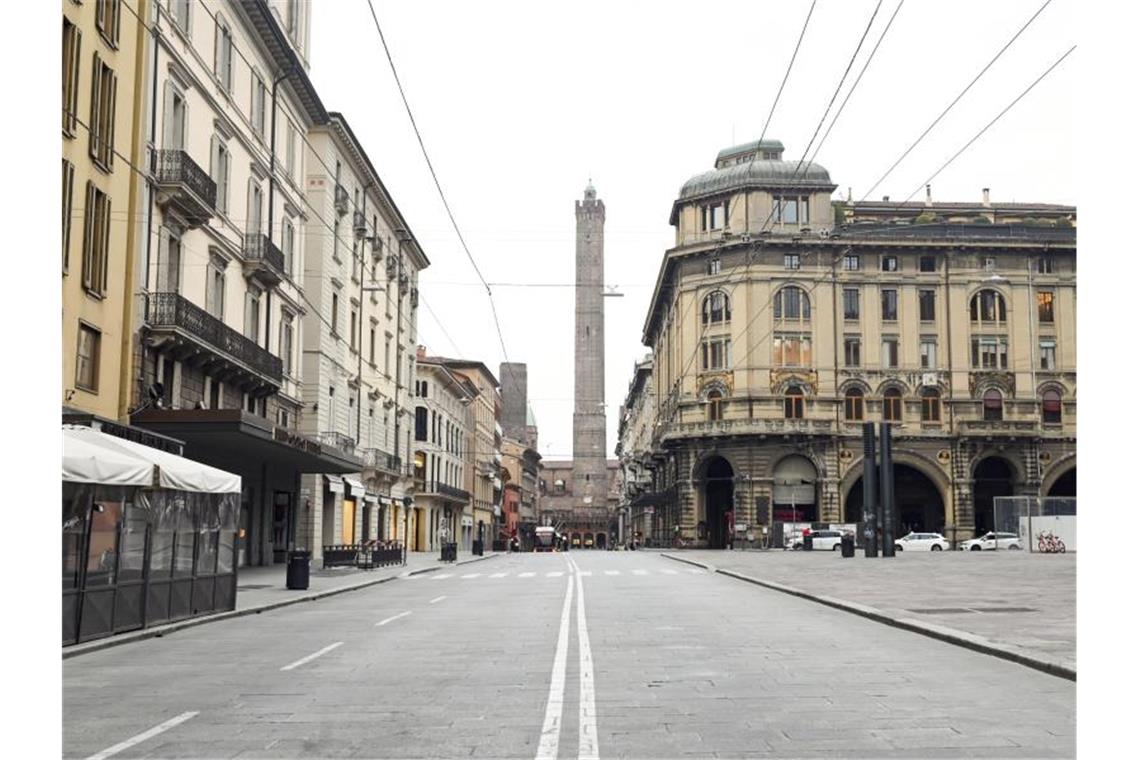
x: 589, y: 355
x: 512, y: 376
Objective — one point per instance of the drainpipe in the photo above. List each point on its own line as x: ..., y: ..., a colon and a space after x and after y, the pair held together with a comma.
x: 272, y: 185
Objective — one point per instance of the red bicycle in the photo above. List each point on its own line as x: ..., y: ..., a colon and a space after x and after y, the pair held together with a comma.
x: 1048, y: 543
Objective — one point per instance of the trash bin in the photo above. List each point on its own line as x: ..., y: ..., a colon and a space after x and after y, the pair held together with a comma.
x: 847, y: 545
x: 297, y: 569
x: 807, y: 543
x: 447, y: 552
x: 477, y: 548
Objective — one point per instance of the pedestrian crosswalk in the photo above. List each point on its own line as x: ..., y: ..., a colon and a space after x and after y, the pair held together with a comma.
x: 637, y: 572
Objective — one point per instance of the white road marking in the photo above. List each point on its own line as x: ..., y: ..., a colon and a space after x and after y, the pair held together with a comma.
x: 437, y: 599
x: 440, y: 577
x: 585, y: 572
x: 555, y: 574
x: 139, y: 738
x: 613, y: 572
x: 385, y: 621
x: 552, y: 723
x: 695, y: 570
x: 527, y: 575
x: 471, y: 575
x: 312, y: 657
x: 641, y: 572
x: 498, y: 575
x: 587, y: 714
x: 416, y: 577
x: 669, y: 572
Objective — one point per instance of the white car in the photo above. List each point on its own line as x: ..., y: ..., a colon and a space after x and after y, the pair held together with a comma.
x: 991, y: 541
x: 923, y: 542
x: 821, y: 540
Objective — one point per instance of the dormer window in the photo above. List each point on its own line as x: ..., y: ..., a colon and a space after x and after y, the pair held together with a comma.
x: 713, y: 216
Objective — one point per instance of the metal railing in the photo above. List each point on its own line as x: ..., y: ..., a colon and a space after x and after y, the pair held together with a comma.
x: 340, y: 200
x: 175, y: 167
x: 435, y: 487
x: 258, y: 247
x: 961, y: 232
x: 378, y: 459
x: 172, y: 310
x: 337, y: 440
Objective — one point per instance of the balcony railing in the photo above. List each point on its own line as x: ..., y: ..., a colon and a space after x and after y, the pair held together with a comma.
x: 338, y: 440
x: 185, y: 184
x: 999, y: 427
x: 263, y: 258
x: 442, y: 489
x: 170, y: 310
x: 378, y: 459
x: 340, y: 200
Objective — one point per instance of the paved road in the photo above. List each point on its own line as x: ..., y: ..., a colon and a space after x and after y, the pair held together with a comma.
x: 498, y: 659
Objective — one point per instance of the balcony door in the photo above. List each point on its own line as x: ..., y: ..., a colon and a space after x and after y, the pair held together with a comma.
x: 175, y: 137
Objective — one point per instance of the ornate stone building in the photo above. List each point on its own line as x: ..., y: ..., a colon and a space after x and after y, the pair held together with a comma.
x: 780, y: 322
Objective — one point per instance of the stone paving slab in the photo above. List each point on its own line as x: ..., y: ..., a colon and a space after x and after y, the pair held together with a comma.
x: 1016, y: 605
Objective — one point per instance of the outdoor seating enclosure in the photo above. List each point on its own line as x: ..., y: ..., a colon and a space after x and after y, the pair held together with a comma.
x: 148, y: 536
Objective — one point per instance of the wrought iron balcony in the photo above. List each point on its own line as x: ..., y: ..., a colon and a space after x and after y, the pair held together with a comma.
x: 263, y: 260
x: 185, y: 186
x: 998, y: 427
x: 340, y: 200
x: 451, y: 493
x: 379, y: 460
x: 340, y: 441
x: 185, y: 328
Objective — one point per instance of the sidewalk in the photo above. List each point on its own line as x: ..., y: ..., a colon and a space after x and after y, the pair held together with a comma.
x: 1014, y: 605
x: 263, y: 588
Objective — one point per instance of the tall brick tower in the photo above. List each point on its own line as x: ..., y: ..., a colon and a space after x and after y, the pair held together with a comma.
x: 589, y: 356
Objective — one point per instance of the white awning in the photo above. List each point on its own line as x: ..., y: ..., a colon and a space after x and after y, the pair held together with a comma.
x: 90, y: 456
x: 336, y: 485
x: 356, y: 486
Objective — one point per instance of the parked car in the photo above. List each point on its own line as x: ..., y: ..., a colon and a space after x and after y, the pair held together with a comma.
x: 991, y: 541
x: 824, y: 540
x: 933, y: 542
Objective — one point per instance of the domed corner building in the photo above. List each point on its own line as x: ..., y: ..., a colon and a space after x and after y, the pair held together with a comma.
x: 782, y: 320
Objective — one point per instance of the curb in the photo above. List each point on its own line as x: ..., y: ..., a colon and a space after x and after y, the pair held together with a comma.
x: 163, y: 630
x: 947, y: 635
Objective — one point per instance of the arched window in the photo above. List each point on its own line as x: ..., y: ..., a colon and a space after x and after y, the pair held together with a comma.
x: 716, y: 308
x: 992, y: 405
x: 792, y: 303
x: 1051, y: 408
x: 794, y: 403
x: 892, y: 405
x: 931, y: 405
x: 715, y: 411
x: 853, y: 404
x: 987, y: 307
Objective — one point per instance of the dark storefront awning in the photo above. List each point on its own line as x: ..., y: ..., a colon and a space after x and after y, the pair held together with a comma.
x: 218, y: 436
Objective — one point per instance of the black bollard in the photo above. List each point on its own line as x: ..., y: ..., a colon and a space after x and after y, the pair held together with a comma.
x: 870, y: 493
x: 887, y: 489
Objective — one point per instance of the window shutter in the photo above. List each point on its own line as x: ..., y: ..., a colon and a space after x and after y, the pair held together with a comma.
x: 217, y: 48
x: 109, y: 146
x: 93, y: 122
x: 106, y: 243
x: 168, y: 116
x: 88, y: 233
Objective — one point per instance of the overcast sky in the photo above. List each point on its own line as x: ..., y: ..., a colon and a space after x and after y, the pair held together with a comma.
x: 521, y: 103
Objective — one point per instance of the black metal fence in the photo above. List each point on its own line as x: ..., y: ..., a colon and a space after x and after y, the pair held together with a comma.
x: 258, y: 247
x: 175, y: 167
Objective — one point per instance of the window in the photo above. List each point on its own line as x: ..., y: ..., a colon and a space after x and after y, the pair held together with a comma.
x: 714, y: 354
x: 891, y: 352
x: 68, y: 193
x: 72, y: 39
x: 852, y: 348
x: 87, y: 359
x: 892, y: 405
x: 180, y: 10
x: 715, y: 308
x: 927, y: 264
x: 989, y: 353
x: 792, y: 303
x: 715, y: 399
x: 257, y: 107
x: 931, y: 405
x: 1045, y: 306
x: 928, y: 352
x: 713, y: 217
x: 992, y: 405
x: 791, y: 261
x: 102, y: 124
x: 890, y: 263
x: 220, y: 172
x: 252, y: 313
x: 421, y: 423
x: 216, y: 287
x: 96, y: 240
x: 850, y: 303
x: 291, y: 152
x: 388, y: 360
x: 714, y: 266
x: 335, y: 311
x: 107, y: 20
x: 989, y: 264
x: 851, y: 262
x: 253, y: 213
x: 224, y: 54
x: 790, y: 210
x: 791, y: 350
x: 987, y: 306
x: 372, y: 345
x: 1048, y: 354
x: 890, y: 305
x: 287, y: 342
x: 293, y: 19
x: 1045, y: 265
x: 352, y: 317
x: 288, y: 245
x: 1051, y: 408
x: 794, y: 403
x: 170, y: 260
x: 174, y: 136
x: 853, y: 404
x: 926, y: 305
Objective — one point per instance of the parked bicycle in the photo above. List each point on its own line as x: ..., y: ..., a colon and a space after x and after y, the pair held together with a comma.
x: 1048, y: 543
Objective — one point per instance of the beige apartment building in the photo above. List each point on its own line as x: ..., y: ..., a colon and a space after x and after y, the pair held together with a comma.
x: 359, y: 335
x: 775, y: 333
x: 637, y: 506
x: 521, y: 464
x: 105, y: 54
x: 484, y: 475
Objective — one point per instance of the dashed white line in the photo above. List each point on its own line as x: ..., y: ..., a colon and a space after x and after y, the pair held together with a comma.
x: 585, y: 572
x: 641, y: 572
x: 552, y: 723
x: 312, y: 657
x: 695, y: 570
x: 613, y: 572
x: 442, y: 576
x: 471, y: 575
x: 385, y: 621
x: 555, y: 574
x: 527, y: 575
x: 139, y: 738
x: 669, y: 572
x: 498, y: 575
x: 587, y: 714
x: 437, y: 599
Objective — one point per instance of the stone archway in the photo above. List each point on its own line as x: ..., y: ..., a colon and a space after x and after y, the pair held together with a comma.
x: 993, y: 477
x: 600, y: 541
x: 1065, y: 484
x: 575, y: 540
x: 919, y: 504
x: 717, y: 488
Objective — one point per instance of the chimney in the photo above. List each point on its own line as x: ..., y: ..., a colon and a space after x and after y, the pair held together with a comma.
x: 886, y: 198
x: 929, y: 200
x: 986, y: 197
x: 848, y: 193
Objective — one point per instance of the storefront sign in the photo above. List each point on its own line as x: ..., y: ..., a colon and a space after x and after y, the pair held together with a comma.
x: 303, y: 443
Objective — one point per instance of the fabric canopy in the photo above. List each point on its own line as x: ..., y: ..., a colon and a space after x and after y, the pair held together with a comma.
x: 90, y: 456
